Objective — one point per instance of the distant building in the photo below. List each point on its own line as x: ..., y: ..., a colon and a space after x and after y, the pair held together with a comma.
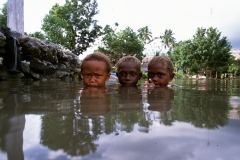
x: 146, y: 60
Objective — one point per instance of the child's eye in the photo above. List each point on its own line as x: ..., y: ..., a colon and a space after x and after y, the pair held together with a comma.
x: 133, y: 74
x: 87, y: 75
x: 123, y: 74
x: 150, y: 75
x: 160, y: 75
x: 97, y: 75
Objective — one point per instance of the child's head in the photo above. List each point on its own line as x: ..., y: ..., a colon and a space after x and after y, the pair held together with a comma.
x: 129, y: 70
x: 95, y: 69
x: 160, y: 70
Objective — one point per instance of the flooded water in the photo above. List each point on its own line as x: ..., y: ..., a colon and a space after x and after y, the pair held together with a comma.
x: 55, y: 120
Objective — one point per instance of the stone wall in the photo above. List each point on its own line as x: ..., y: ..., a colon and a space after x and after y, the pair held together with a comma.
x: 39, y: 60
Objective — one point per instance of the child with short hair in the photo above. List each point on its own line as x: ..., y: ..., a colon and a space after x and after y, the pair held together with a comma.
x: 160, y: 72
x: 95, y: 70
x: 129, y: 70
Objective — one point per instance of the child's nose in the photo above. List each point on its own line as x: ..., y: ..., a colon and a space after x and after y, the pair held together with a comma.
x: 92, y: 79
x: 154, y: 77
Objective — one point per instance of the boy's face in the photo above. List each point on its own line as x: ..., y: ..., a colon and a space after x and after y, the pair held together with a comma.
x: 94, y: 73
x: 159, y: 75
x: 128, y: 73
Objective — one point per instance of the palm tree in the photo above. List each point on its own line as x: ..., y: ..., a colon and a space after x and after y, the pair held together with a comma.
x: 167, y: 39
x: 144, y: 34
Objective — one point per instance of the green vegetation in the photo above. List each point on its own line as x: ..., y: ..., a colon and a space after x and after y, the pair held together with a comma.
x: 38, y: 35
x: 73, y: 25
x: 145, y: 35
x: 206, y: 51
x: 3, y: 15
x: 167, y: 39
x: 119, y: 44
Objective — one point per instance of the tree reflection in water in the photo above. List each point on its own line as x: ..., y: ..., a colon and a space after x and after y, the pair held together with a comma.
x: 203, y: 109
x: 103, y: 112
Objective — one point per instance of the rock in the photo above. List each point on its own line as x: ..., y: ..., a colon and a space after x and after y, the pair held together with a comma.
x: 2, y: 39
x: 42, y: 68
x: 1, y: 61
x: 34, y: 75
x: 25, y: 66
x: 41, y: 59
x: 62, y: 74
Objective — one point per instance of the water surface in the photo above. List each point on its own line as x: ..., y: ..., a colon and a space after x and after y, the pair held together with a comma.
x: 55, y: 120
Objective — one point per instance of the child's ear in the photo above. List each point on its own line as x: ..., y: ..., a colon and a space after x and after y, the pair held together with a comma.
x: 172, y: 76
x: 108, y: 76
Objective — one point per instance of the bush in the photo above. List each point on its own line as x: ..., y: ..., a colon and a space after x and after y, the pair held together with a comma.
x: 144, y: 74
x: 179, y: 74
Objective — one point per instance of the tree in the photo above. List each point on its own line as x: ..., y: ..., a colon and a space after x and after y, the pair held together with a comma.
x: 182, y: 56
x: 3, y: 15
x: 212, y: 51
x: 73, y: 25
x: 117, y: 45
x: 167, y: 39
x: 37, y: 34
x: 234, y: 65
x: 144, y: 34
x: 206, y: 51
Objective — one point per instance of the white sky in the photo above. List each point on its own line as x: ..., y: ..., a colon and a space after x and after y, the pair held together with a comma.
x: 183, y: 17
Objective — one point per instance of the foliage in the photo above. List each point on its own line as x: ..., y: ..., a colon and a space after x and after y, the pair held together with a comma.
x: 234, y: 65
x: 182, y: 57
x: 211, y: 51
x: 73, y: 25
x: 179, y: 74
x: 145, y: 35
x: 206, y: 51
x: 123, y: 43
x: 38, y: 35
x: 167, y: 39
x: 144, y: 74
x: 3, y: 15
x: 209, y: 111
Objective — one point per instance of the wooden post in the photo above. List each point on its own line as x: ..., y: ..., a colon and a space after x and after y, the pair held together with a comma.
x: 15, y: 15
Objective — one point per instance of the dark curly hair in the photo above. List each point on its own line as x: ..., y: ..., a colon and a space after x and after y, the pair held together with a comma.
x: 166, y: 62
x: 98, y: 56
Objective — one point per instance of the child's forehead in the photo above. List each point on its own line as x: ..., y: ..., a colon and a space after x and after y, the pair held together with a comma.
x: 128, y: 64
x: 92, y: 63
x: 92, y: 60
x: 165, y: 65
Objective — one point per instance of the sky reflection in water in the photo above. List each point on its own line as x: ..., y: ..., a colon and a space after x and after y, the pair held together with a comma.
x: 187, y: 123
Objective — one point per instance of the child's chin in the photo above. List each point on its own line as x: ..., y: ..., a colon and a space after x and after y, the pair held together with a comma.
x: 159, y: 85
x: 129, y: 84
x: 93, y: 85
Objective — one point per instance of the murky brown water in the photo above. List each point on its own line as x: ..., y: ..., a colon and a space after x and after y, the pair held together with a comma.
x: 59, y: 121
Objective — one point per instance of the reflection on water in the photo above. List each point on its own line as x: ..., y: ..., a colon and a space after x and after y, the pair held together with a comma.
x: 60, y: 120
x: 94, y: 101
